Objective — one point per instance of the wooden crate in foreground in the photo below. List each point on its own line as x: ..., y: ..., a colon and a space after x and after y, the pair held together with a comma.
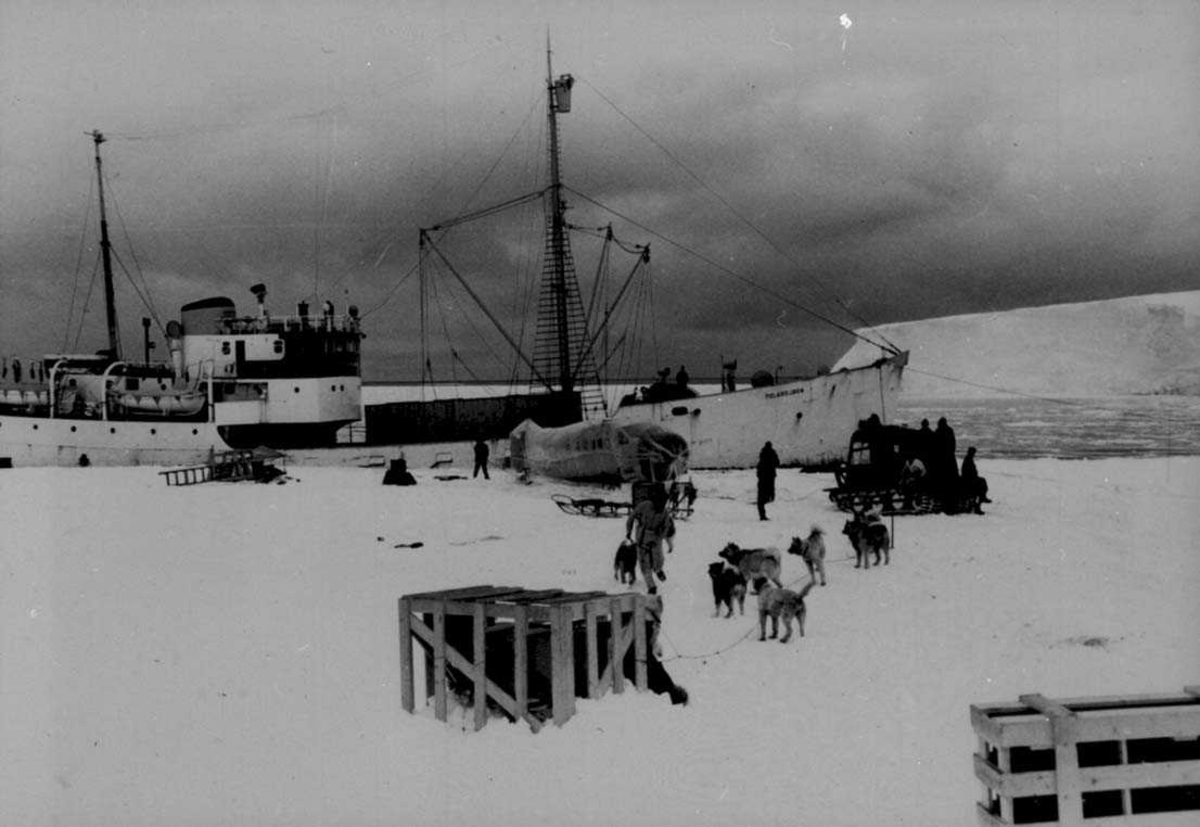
x: 1131, y: 760
x: 528, y: 653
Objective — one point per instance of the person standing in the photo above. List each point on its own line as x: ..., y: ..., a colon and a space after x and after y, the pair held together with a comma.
x: 945, y: 459
x: 481, y: 459
x: 768, y: 464
x: 973, y: 485
x: 653, y: 523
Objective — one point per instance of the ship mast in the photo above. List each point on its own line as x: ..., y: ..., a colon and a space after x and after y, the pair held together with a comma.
x: 110, y: 303
x: 558, y: 282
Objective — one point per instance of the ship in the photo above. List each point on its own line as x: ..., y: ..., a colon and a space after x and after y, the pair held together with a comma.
x: 232, y: 382
x: 809, y: 420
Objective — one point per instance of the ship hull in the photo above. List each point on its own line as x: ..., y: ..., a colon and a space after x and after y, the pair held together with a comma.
x: 808, y: 421
x: 39, y: 441
x: 35, y: 441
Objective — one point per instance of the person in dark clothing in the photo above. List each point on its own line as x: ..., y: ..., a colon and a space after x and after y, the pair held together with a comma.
x: 925, y: 446
x: 944, y: 461
x: 682, y: 378
x: 398, y: 473
x: 768, y: 463
x: 481, y: 459
x: 973, y: 484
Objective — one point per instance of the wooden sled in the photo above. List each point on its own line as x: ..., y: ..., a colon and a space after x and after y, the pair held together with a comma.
x: 591, y: 506
x: 596, y: 507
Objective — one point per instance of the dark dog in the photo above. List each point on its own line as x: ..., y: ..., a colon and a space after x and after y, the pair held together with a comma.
x: 754, y: 562
x: 869, y: 538
x: 728, y: 586
x: 625, y: 562
x: 779, y: 603
x: 812, y: 549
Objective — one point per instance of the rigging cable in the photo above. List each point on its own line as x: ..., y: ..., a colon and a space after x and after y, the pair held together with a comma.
x: 743, y: 278
x: 87, y: 300
x: 143, y: 292
x: 87, y: 214
x: 753, y: 227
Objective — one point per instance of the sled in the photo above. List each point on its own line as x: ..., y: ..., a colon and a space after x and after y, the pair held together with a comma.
x: 591, y: 506
x: 596, y: 507
x: 866, y: 482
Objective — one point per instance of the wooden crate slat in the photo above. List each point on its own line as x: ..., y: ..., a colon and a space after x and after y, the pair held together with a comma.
x: 1014, y: 785
x: 1142, y: 776
x: 450, y: 594
x: 1184, y: 818
x: 439, y: 663
x: 520, y: 662
x: 407, y: 692
x: 615, y: 672
x: 479, y: 673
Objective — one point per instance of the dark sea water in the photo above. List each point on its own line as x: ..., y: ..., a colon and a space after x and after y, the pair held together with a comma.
x: 1026, y: 427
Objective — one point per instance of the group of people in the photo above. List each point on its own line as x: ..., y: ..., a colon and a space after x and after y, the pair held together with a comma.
x: 662, y: 389
x: 931, y: 464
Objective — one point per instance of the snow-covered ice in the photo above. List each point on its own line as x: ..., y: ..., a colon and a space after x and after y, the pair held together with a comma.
x: 228, y: 653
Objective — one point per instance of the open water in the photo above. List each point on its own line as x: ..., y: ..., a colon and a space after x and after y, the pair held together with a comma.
x: 1026, y: 427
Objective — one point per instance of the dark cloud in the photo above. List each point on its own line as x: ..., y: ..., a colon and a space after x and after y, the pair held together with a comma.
x: 934, y: 158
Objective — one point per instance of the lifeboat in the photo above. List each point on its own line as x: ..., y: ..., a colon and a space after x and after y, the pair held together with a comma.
x: 186, y: 403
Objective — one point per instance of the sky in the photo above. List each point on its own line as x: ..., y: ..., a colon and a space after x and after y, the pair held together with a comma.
x: 798, y: 169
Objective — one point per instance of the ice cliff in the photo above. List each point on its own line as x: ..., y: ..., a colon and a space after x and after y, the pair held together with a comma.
x: 1137, y: 345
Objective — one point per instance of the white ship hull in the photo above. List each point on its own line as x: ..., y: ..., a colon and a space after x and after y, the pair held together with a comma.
x: 33, y: 441
x: 809, y: 421
x: 291, y: 413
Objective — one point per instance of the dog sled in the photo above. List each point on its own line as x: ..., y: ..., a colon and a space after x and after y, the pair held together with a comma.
x: 591, y: 506
x: 878, y: 475
x: 681, y: 499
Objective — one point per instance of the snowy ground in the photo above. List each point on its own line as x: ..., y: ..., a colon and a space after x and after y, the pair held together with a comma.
x: 227, y: 654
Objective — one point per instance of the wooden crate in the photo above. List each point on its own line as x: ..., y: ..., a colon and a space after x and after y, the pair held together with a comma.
x: 528, y: 653
x: 1130, y: 760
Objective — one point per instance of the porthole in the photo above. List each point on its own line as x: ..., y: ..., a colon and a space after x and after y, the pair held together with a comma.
x: 112, y: 430
x: 153, y: 431
x: 194, y: 432
x: 72, y: 429
x: 295, y: 390
x: 35, y: 427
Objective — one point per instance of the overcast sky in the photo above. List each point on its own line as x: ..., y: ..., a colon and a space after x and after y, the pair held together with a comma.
x: 870, y: 161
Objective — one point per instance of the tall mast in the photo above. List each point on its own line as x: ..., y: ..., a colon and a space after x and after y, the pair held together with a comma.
x: 558, y: 223
x: 110, y: 302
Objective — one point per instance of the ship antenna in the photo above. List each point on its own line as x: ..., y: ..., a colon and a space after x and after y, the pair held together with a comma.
x: 110, y: 303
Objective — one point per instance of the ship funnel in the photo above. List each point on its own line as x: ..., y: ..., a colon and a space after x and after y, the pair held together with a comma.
x: 175, y: 346
x: 260, y: 293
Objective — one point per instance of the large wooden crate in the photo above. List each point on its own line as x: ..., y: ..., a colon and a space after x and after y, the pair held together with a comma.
x: 1128, y: 760
x: 528, y: 653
